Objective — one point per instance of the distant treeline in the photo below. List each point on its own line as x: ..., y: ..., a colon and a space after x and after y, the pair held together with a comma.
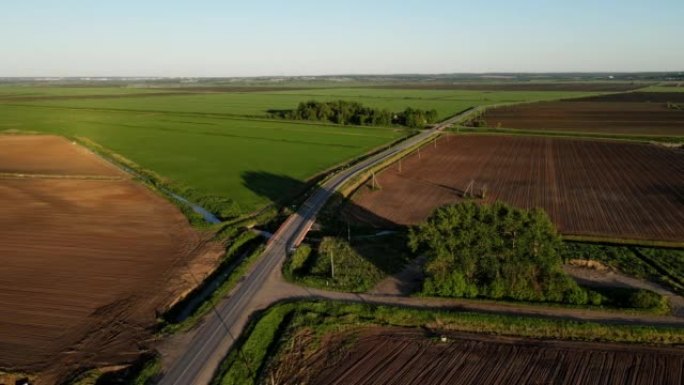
x: 345, y: 112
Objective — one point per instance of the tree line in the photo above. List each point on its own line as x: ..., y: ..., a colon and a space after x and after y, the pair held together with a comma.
x: 346, y: 112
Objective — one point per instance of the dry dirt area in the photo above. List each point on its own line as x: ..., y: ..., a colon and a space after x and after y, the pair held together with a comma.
x: 633, y: 113
x: 377, y: 356
x: 599, y: 189
x: 87, y: 263
x: 50, y: 155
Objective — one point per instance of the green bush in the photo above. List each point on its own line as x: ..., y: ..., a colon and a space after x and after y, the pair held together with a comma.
x: 351, y: 271
x: 299, y: 258
x: 665, y: 266
x: 493, y: 251
x: 646, y: 299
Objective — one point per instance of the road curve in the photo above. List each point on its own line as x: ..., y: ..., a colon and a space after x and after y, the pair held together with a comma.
x: 214, y: 337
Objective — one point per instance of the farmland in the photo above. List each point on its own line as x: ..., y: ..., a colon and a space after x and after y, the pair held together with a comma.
x: 211, y: 155
x: 633, y: 113
x: 595, y: 189
x: 208, y: 140
x: 401, y: 356
x: 446, y: 102
x: 89, y: 259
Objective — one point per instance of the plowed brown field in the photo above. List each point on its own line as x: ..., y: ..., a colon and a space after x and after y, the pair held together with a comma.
x: 409, y: 358
x: 589, y: 188
x: 634, y: 113
x: 86, y: 263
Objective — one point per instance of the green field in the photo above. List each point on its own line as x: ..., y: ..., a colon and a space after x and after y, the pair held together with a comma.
x: 219, y: 143
x: 663, y: 89
x: 34, y: 91
x: 446, y: 103
x: 211, y: 155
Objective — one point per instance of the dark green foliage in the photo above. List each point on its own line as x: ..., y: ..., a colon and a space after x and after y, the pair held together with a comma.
x: 352, y: 271
x: 665, y: 266
x: 299, y: 259
x: 345, y: 112
x: 646, y: 299
x: 478, y: 121
x: 624, y: 297
x: 359, y: 266
x: 493, y: 251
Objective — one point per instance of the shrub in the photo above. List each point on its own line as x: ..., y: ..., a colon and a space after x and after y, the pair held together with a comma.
x: 493, y: 251
x: 300, y: 257
x: 646, y: 299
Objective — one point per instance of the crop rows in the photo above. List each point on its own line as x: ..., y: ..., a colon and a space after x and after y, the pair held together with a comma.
x: 589, y: 188
x: 408, y: 359
x: 634, y: 113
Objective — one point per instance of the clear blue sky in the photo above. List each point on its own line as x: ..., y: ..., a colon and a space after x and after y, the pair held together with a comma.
x: 302, y: 37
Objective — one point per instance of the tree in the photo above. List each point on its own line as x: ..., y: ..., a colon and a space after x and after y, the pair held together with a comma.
x: 493, y: 251
x: 345, y: 112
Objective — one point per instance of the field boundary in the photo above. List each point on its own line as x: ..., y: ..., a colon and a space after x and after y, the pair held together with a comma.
x: 153, y: 181
x: 621, y: 242
x: 659, y: 139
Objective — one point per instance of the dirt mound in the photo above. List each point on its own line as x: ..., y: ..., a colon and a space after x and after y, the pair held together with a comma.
x: 589, y: 264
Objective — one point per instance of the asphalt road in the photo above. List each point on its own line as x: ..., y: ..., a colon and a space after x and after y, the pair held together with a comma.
x: 215, y: 336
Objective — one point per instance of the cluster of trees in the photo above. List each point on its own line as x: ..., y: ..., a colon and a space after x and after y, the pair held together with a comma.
x: 476, y: 121
x: 494, y: 251
x: 345, y: 112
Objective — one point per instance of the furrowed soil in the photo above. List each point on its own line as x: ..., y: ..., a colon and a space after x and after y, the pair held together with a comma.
x: 403, y: 356
x: 606, y: 189
x: 632, y: 113
x: 49, y: 155
x: 87, y: 263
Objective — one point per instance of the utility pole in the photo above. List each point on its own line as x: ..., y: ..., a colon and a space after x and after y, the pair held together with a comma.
x: 332, y: 264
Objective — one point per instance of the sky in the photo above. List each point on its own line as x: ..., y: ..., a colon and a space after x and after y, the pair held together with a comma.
x: 206, y: 38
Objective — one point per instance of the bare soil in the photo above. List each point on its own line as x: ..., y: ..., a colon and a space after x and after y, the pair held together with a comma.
x: 54, y: 155
x: 604, y: 189
x: 87, y: 264
x: 632, y: 113
x: 406, y: 356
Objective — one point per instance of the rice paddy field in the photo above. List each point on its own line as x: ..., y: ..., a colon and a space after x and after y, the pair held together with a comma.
x: 208, y: 140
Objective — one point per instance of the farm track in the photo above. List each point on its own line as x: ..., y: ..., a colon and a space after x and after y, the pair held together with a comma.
x: 407, y: 357
x: 599, y: 189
